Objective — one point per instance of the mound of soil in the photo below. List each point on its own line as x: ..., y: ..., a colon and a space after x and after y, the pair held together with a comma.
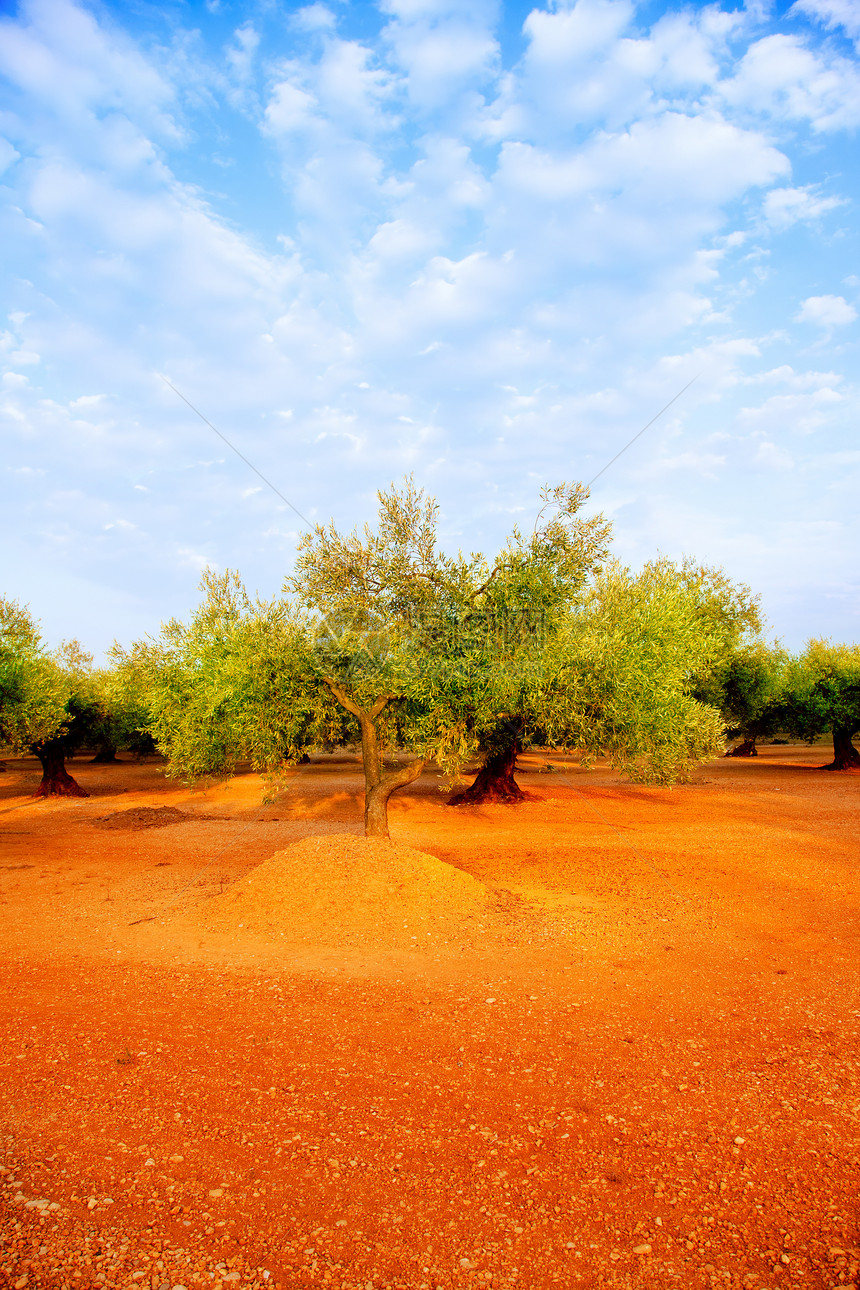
x: 348, y: 890
x: 142, y: 817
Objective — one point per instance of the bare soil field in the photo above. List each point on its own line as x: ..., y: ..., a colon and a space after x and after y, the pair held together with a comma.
x: 607, y: 1038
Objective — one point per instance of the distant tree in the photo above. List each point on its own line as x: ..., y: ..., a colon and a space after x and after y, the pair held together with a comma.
x: 747, y: 688
x: 32, y: 693
x: 47, y: 705
x: 822, y: 693
x: 81, y: 718
x: 118, y: 719
x: 740, y: 681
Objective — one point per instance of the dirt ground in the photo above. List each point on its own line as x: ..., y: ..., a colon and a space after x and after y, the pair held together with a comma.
x: 604, y: 1039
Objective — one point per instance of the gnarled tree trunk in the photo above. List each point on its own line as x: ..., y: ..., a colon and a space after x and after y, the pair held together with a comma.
x: 56, y: 780
x: 495, y: 780
x: 746, y: 749
x: 378, y: 786
x: 376, y: 796
x: 106, y: 754
x: 845, y: 755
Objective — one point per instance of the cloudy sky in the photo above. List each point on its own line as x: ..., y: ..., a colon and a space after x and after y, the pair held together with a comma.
x: 477, y: 241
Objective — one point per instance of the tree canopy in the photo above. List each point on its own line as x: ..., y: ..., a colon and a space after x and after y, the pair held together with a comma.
x: 747, y: 687
x: 384, y: 640
x: 233, y: 684
x: 522, y: 601
x: 621, y: 677
x: 33, y: 692
x: 48, y: 701
x: 822, y: 693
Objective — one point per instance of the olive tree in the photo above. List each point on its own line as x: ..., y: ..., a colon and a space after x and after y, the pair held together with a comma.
x: 234, y: 684
x: 822, y: 693
x: 747, y: 687
x: 620, y: 676
x: 47, y: 705
x: 522, y: 599
x: 625, y: 664
x: 743, y: 681
x: 386, y: 641
x: 32, y: 692
x: 393, y: 640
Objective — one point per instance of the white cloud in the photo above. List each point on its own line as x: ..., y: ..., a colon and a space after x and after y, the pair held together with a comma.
x: 785, y: 374
x: 289, y: 109
x: 783, y: 207
x: 445, y: 47
x: 8, y: 155
x: 87, y: 401
x: 827, y: 311
x: 313, y: 17
x: 582, y: 66
x: 568, y: 36
x: 352, y: 89
x: 781, y: 77
x: 242, y: 53
x: 782, y: 414
x: 772, y: 457
x: 62, y: 56
x: 186, y: 555
x: 492, y: 275
x: 702, y: 463
x: 832, y: 13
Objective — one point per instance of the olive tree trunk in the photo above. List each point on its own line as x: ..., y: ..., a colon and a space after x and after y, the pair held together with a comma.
x: 495, y: 780
x: 845, y: 755
x: 746, y: 749
x: 378, y: 785
x: 56, y: 780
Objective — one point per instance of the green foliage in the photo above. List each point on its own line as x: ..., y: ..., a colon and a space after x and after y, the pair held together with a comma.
x: 747, y: 686
x: 234, y: 684
x: 382, y: 580
x: 452, y: 644
x: 515, y: 610
x: 546, y: 571
x: 33, y: 686
x: 729, y: 610
x: 392, y: 631
x: 47, y: 700
x: 620, y: 683
x: 387, y: 640
x: 822, y: 690
x: 83, y: 713
x: 118, y: 715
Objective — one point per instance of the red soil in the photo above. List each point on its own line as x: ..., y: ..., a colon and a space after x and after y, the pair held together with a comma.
x: 617, y: 1049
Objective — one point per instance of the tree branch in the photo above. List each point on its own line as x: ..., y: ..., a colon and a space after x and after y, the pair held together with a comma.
x: 351, y: 706
x: 380, y: 703
x: 405, y: 775
x: 344, y: 700
x: 480, y: 591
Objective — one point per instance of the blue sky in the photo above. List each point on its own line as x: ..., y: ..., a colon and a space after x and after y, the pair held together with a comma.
x: 483, y: 243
